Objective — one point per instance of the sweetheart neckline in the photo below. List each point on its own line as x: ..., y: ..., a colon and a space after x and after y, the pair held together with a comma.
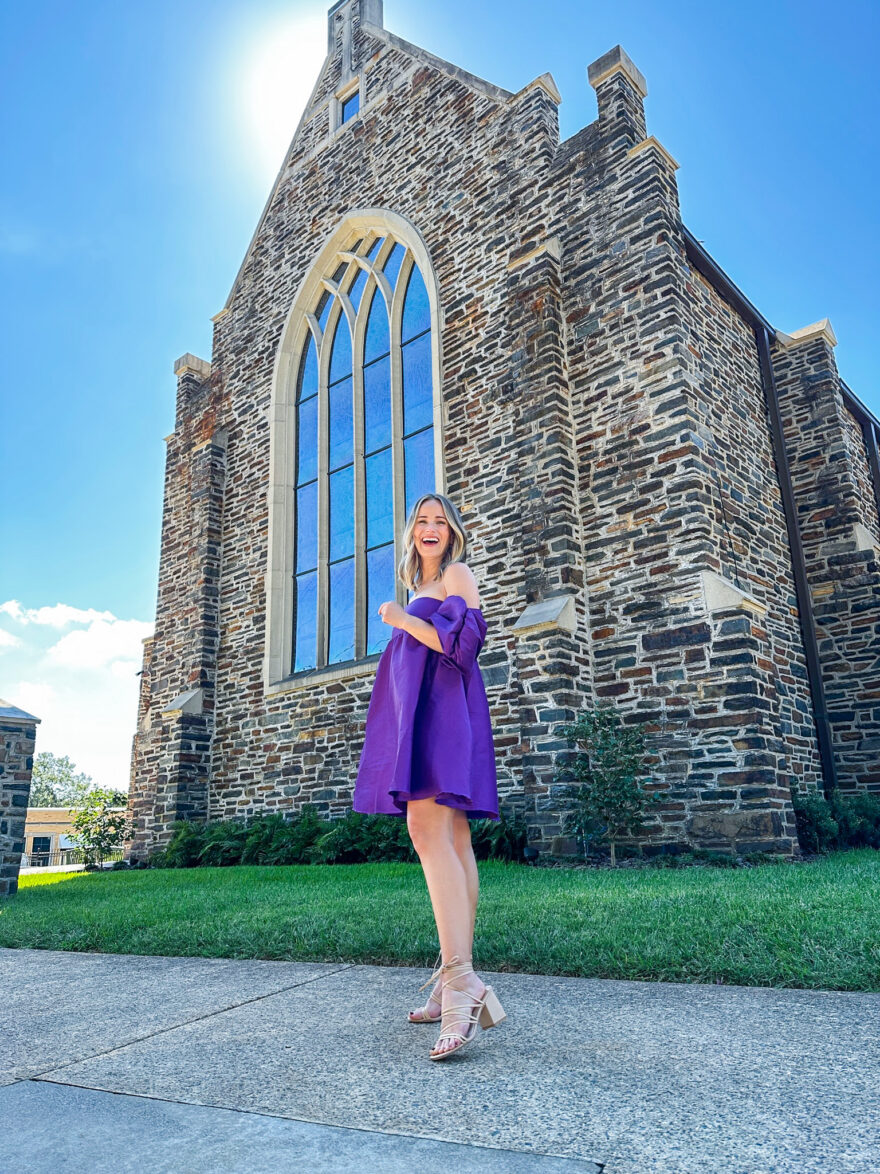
x: 452, y: 595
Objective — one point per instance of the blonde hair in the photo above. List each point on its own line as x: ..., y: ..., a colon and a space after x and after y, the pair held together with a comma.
x: 409, y: 569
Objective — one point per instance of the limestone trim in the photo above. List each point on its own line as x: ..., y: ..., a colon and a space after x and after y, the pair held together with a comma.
x: 348, y: 90
x: 189, y: 702
x: 546, y: 615
x: 820, y: 329
x: 552, y: 246
x: 651, y: 141
x: 864, y: 539
x: 616, y: 60
x: 479, y: 84
x: 544, y: 82
x: 192, y: 365
x: 719, y: 594
x: 300, y: 324
x: 325, y: 676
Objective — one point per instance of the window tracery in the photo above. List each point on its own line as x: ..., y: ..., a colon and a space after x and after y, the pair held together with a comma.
x: 365, y: 444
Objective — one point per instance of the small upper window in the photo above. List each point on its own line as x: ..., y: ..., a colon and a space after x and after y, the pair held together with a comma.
x: 351, y: 105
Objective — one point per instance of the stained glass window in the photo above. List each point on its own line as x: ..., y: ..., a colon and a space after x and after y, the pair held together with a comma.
x: 356, y: 477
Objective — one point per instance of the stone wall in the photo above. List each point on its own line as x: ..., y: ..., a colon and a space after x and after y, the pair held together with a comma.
x: 686, y: 550
x: 604, y: 435
x: 172, y: 747
x: 18, y: 731
x: 839, y: 523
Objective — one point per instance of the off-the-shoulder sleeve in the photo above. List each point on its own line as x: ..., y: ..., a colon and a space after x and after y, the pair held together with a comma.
x: 462, y: 631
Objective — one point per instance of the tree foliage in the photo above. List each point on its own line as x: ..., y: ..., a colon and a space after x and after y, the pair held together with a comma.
x: 100, y: 823
x: 607, y: 799
x: 55, y: 782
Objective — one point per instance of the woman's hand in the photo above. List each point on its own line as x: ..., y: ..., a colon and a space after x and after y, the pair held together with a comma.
x: 392, y: 613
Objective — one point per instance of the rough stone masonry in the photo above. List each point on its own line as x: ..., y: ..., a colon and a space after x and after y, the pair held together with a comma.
x: 18, y: 732
x: 672, y: 506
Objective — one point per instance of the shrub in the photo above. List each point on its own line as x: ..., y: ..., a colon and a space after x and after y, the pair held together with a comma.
x: 358, y: 838
x: 306, y: 838
x: 607, y: 800
x: 858, y: 817
x: 844, y: 821
x: 817, y: 829
x: 499, y: 839
x: 273, y: 839
x: 182, y: 850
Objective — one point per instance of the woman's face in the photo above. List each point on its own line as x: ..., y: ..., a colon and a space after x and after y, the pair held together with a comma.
x: 431, y: 531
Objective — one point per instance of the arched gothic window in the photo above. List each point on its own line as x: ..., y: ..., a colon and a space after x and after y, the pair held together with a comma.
x: 362, y: 428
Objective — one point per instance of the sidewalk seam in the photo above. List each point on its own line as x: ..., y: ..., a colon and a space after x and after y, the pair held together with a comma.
x: 183, y: 1023
x: 313, y: 1121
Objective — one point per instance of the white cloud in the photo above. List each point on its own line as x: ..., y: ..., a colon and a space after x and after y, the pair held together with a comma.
x: 7, y: 640
x: 60, y: 615
x: 101, y: 644
x: 82, y: 684
x: 35, y: 697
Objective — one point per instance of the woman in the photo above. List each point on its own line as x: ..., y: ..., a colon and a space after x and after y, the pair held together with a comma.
x: 428, y: 753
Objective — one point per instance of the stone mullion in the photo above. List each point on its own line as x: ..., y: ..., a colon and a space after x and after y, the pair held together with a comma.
x: 360, y: 480
x: 395, y: 367
x: 323, y: 592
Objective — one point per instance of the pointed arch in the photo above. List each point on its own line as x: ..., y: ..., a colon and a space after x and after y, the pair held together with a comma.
x: 349, y: 449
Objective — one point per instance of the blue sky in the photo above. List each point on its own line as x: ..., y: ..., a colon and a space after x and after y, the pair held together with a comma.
x: 140, y: 144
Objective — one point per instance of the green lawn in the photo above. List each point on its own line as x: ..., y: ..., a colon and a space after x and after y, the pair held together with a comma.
x: 811, y: 925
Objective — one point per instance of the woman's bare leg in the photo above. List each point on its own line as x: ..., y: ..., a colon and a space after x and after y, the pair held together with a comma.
x: 465, y: 852
x: 461, y: 839
x: 450, y: 885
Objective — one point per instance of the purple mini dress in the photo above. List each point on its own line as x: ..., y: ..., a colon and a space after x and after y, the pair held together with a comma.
x: 428, y: 731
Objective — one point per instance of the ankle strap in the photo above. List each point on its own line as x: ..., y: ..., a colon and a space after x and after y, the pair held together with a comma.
x: 454, y: 968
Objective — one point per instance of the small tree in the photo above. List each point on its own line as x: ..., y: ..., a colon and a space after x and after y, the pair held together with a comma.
x: 55, y: 783
x: 99, y: 825
x: 607, y: 799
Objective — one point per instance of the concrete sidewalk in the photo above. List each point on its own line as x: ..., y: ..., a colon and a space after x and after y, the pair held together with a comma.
x: 201, y: 1066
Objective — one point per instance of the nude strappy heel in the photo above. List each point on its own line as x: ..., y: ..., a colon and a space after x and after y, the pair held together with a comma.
x: 423, y: 1017
x: 487, y: 1010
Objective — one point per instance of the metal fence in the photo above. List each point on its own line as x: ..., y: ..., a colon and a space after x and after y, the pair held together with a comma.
x: 64, y: 857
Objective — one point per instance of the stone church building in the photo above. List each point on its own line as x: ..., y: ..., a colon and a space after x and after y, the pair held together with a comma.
x: 672, y: 505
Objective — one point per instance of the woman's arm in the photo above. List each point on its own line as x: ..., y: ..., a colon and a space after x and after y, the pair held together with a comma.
x: 392, y: 613
x: 422, y: 630
x: 458, y: 580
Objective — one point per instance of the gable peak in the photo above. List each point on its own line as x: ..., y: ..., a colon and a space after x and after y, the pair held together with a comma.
x: 341, y: 17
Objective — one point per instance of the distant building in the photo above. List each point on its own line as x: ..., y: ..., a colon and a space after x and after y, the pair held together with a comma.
x: 48, y: 837
x: 673, y: 506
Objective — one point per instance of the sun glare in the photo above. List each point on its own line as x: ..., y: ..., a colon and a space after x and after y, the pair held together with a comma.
x: 276, y: 82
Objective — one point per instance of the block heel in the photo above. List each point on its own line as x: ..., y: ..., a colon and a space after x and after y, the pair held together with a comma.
x: 491, y: 1012
x: 460, y: 1018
